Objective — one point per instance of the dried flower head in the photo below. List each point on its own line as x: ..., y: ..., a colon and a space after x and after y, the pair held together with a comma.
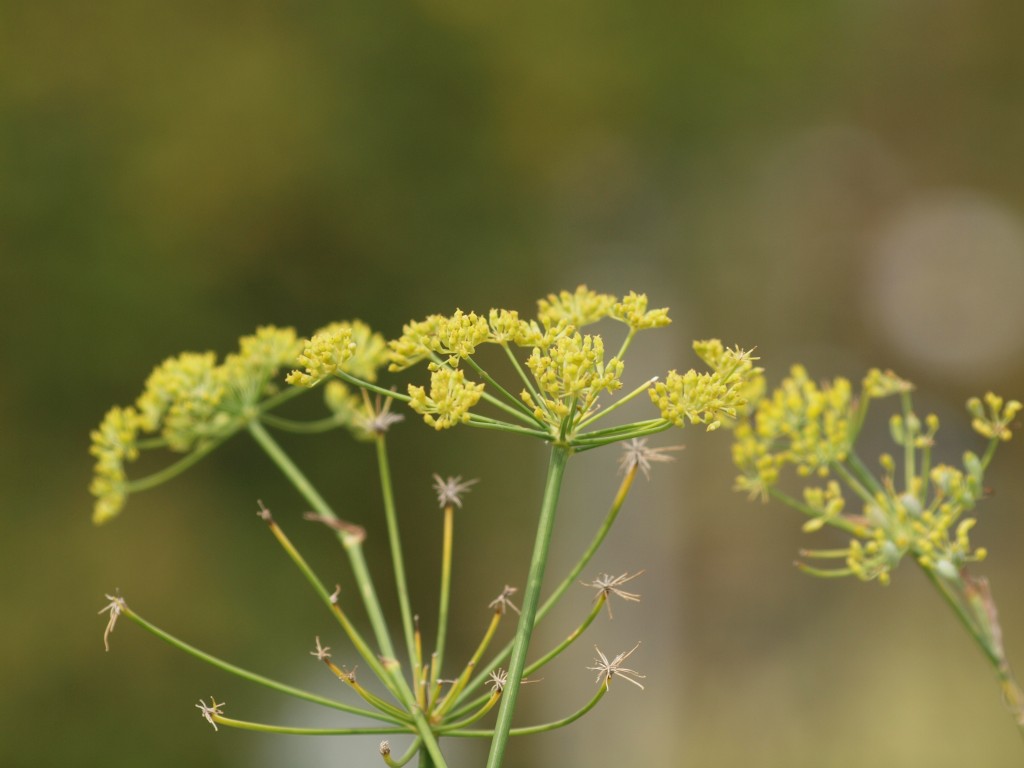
x: 497, y: 679
x: 449, y: 490
x: 608, y: 585
x: 607, y: 669
x: 322, y: 653
x: 635, y: 453
x: 503, y: 601
x: 210, y: 711
x: 115, y: 606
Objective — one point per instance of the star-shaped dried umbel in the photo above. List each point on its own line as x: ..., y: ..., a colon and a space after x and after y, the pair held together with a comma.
x: 450, y: 489
x: 606, y: 670
x: 503, y: 601
x: 608, y: 585
x: 635, y: 453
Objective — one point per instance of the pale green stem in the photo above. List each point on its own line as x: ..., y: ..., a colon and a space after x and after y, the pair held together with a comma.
x: 909, y: 468
x: 354, y: 552
x: 265, y: 728
x: 620, y: 402
x: 459, y: 685
x: 855, y: 485
x: 989, y: 452
x: 534, y: 394
x: 371, y: 387
x: 488, y: 705
x: 485, y: 422
x: 395, y: 542
x: 330, y: 601
x: 517, y: 407
x: 175, y: 469
x: 445, y: 593
x: 581, y: 563
x: 301, y: 427
x: 252, y: 676
x: 837, y: 522
x: 602, y: 598
x: 405, y: 758
x: 587, y: 442
x: 601, y: 691
x: 864, y: 474
x: 625, y: 342
x: 524, y: 630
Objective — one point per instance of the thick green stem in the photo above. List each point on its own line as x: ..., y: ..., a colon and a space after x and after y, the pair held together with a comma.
x: 545, y: 526
x: 570, y: 578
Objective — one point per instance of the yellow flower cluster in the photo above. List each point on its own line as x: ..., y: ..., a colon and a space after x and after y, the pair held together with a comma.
x: 995, y: 424
x: 450, y: 398
x: 707, y: 398
x: 814, y: 428
x: 351, y: 347
x: 572, y: 372
x: 632, y: 311
x: 580, y: 308
x: 113, y: 444
x: 186, y: 400
x: 568, y: 368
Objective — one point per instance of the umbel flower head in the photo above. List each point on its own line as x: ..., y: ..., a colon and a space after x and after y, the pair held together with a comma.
x: 566, y: 371
x: 188, y: 401
x: 919, y: 511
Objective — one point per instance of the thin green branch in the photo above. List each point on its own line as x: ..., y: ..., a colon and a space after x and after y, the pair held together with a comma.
x: 295, y: 731
x: 529, y: 730
x: 394, y: 540
x: 301, y: 427
x: 348, y: 541
x: 252, y: 677
x: 167, y: 473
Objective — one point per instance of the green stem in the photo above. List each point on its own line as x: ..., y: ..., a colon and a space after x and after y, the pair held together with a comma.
x: 265, y: 728
x: 837, y: 522
x: 514, y: 406
x: 252, y: 676
x: 534, y: 394
x: 394, y: 540
x: 545, y: 526
x: 445, y: 593
x: 601, y: 691
x: 352, y: 549
x: 618, y: 403
x: 570, y: 578
x: 301, y: 427
x: 175, y: 469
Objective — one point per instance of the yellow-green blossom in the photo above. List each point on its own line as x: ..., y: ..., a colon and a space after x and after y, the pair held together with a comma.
x: 450, y: 398
x: 706, y: 398
x: 572, y: 372
x: 879, y: 384
x: 458, y: 336
x: 415, y: 343
x: 113, y: 444
x: 580, y: 308
x: 632, y: 311
x: 995, y: 424
x: 349, y: 347
x: 249, y: 374
x: 181, y: 399
x: 506, y: 326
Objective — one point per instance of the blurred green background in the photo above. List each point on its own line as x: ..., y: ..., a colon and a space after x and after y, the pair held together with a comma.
x: 836, y: 183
